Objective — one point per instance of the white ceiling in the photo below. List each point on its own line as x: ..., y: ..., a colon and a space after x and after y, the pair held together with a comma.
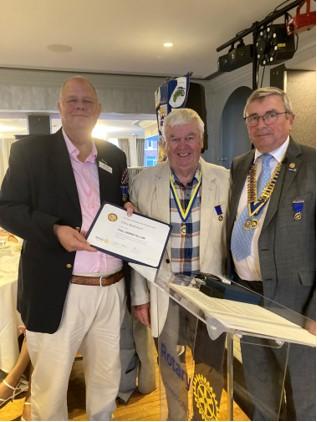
x: 123, y: 36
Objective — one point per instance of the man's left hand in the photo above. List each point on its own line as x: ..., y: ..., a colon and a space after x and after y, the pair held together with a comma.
x: 142, y: 313
x: 130, y: 208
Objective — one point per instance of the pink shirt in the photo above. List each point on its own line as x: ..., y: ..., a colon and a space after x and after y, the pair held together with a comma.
x: 87, y: 182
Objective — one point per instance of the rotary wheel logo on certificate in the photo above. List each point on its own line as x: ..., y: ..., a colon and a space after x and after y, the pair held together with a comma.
x: 205, y: 398
x: 112, y: 217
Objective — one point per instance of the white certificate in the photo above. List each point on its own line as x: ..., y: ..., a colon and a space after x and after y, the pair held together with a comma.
x: 136, y: 238
x: 246, y: 317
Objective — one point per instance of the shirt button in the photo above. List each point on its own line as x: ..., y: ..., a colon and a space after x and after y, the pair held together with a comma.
x: 69, y: 266
x: 167, y: 261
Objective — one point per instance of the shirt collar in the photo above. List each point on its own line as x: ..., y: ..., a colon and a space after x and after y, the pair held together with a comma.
x: 73, y: 151
x: 194, y: 180
x: 278, y: 153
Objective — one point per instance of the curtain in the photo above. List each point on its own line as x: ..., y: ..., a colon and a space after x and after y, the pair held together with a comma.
x: 140, y: 151
x: 124, y: 145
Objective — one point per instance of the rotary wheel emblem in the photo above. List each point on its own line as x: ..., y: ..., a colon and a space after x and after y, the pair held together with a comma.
x: 205, y: 398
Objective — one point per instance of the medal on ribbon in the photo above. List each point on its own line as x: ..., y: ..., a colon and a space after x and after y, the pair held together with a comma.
x: 183, y: 229
x: 250, y: 224
x: 184, y: 213
x: 298, y: 207
x: 219, y: 212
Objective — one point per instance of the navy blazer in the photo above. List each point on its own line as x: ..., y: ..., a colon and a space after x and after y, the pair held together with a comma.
x: 38, y: 191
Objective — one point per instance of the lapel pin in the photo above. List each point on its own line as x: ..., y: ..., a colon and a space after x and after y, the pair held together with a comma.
x: 292, y: 167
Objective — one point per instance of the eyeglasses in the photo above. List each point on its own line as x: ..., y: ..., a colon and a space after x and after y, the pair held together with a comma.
x: 268, y: 118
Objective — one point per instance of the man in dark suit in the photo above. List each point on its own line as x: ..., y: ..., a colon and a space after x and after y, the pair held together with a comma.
x: 69, y: 294
x: 272, y: 239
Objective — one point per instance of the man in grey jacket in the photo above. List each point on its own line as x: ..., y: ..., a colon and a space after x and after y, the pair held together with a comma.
x: 273, y: 246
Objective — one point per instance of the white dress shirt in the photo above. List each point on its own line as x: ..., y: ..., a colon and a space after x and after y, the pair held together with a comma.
x: 249, y: 268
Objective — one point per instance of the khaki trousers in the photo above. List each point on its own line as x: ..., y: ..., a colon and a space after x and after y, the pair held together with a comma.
x: 91, y: 321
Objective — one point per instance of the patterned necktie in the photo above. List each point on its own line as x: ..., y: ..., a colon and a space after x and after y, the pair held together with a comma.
x: 241, y: 238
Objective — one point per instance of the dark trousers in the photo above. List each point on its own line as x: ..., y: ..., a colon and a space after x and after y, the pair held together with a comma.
x: 281, y: 381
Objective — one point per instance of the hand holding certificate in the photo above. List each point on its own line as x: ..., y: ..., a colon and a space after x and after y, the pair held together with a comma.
x: 136, y: 238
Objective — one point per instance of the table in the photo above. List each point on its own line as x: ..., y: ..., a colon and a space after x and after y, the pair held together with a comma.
x: 9, y: 317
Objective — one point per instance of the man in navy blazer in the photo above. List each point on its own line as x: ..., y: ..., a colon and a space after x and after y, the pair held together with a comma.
x: 69, y: 294
x: 272, y: 245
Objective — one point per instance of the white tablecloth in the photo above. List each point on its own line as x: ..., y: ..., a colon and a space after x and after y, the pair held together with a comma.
x: 9, y: 317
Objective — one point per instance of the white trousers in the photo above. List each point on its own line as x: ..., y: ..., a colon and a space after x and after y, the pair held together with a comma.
x: 91, y: 321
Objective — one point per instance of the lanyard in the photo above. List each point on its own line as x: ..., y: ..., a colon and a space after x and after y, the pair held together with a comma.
x: 184, y: 213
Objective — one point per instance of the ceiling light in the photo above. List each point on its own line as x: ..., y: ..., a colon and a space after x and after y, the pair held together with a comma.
x: 274, y: 45
x: 236, y: 57
x: 168, y: 44
x: 146, y: 123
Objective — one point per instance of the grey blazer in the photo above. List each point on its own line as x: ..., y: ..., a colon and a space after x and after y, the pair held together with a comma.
x: 286, y: 245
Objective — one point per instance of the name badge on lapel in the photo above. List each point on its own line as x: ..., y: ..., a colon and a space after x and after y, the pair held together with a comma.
x: 298, y: 208
x: 105, y: 166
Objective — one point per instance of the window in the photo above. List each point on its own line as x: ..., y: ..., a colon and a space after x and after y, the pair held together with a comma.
x: 150, y: 161
x: 150, y: 150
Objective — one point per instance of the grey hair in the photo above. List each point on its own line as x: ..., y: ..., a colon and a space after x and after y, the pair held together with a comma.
x: 261, y: 93
x: 181, y: 116
x: 78, y: 78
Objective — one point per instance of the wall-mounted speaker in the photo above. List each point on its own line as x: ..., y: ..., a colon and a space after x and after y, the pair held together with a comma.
x: 39, y: 124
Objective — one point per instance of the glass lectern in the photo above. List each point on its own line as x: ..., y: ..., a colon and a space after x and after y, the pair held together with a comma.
x: 225, y: 351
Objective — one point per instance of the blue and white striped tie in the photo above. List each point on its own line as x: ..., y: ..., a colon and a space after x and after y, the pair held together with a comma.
x: 241, y: 238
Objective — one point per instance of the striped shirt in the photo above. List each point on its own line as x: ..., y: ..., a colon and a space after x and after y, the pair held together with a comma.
x: 185, y: 247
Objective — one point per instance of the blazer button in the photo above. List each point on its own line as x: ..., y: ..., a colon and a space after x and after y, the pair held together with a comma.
x: 69, y: 266
x: 167, y: 261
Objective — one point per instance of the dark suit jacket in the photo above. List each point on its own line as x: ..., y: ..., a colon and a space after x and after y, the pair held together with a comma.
x: 286, y: 246
x: 38, y: 191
